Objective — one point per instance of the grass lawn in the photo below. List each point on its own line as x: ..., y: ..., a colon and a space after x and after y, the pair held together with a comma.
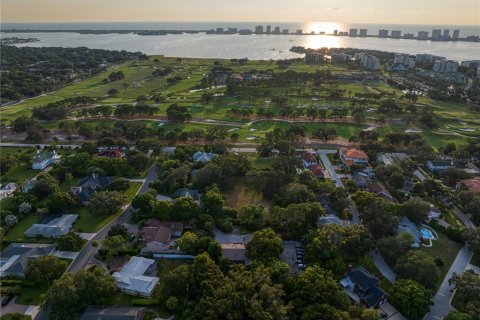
x: 444, y: 249
x: 16, y: 233
x: 20, y: 173
x: 31, y: 295
x: 262, y: 163
x: 88, y: 222
x: 241, y: 196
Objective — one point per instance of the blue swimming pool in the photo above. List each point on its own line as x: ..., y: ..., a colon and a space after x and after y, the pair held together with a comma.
x: 426, y: 234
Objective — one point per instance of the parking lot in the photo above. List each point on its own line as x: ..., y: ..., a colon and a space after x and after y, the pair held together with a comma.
x: 289, y: 255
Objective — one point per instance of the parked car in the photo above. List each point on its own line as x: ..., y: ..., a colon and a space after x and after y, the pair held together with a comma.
x: 301, y: 266
x: 6, y: 300
x: 383, y: 314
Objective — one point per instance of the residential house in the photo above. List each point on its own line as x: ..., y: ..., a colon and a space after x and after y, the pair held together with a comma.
x: 190, y: 193
x: 111, y: 153
x: 235, y: 252
x: 7, y: 190
x: 309, y: 159
x: 472, y: 185
x: 160, y: 237
x: 380, y: 190
x: 353, y: 156
x: 160, y: 197
x: 329, y: 219
x: 45, y: 158
x: 113, y: 313
x: 85, y: 189
x: 317, y: 171
x: 15, y: 258
x: 362, y: 287
x: 361, y: 180
x: 54, y: 228
x: 200, y: 156
x: 136, y: 277
x: 29, y: 184
x: 439, y: 165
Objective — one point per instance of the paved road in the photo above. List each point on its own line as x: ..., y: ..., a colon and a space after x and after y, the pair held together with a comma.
x: 383, y: 267
x: 331, y: 170
x: 355, y: 214
x: 443, y: 296
x: 465, y: 220
x: 33, y: 145
x: 89, y: 251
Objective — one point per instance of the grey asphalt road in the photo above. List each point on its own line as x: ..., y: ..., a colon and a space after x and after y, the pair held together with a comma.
x: 88, y: 251
x: 331, y: 170
x: 33, y: 145
x: 443, y: 296
x: 465, y: 220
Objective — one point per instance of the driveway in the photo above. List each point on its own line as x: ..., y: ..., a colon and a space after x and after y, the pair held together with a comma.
x: 289, y: 255
x: 392, y: 313
x: 331, y: 170
x: 443, y: 296
x: 12, y: 307
x: 383, y: 267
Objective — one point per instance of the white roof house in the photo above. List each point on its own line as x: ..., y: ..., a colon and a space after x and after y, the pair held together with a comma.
x: 203, y: 156
x: 44, y: 158
x: 54, y: 228
x: 7, y: 190
x: 134, y: 279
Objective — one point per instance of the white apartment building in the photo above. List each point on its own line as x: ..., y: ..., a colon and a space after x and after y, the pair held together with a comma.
x: 445, y: 66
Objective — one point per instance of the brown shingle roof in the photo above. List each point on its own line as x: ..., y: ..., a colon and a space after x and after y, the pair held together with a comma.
x: 160, y: 234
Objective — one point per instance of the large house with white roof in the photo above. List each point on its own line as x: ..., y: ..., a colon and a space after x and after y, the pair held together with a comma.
x: 54, y: 228
x: 44, y: 158
x: 136, y: 278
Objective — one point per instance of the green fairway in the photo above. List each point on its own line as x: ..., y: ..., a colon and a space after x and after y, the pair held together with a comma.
x: 456, y: 121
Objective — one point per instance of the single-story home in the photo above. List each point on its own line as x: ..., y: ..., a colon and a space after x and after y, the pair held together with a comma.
x: 380, y: 190
x: 160, y: 237
x: 111, y: 152
x: 54, y: 228
x: 439, y: 165
x: 188, y: 193
x: 7, y: 190
x: 361, y: 180
x: 136, y: 277
x: 29, y: 184
x: 200, y: 156
x: 113, y: 313
x: 45, y: 158
x: 317, y: 171
x: 85, y: 189
x: 15, y: 258
x: 235, y: 252
x: 362, y: 287
x: 472, y: 185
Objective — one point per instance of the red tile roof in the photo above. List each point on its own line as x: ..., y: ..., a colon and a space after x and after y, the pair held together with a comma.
x: 309, y: 157
x: 355, y: 154
x: 317, y: 170
x: 471, y: 184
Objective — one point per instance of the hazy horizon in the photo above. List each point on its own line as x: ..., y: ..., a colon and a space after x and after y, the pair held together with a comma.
x: 425, y: 12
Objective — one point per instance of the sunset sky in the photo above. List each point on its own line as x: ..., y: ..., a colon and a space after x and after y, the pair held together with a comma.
x: 461, y: 12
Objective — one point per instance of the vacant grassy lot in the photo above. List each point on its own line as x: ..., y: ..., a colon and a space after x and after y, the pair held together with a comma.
x: 18, y: 174
x: 241, y: 196
x: 444, y: 249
